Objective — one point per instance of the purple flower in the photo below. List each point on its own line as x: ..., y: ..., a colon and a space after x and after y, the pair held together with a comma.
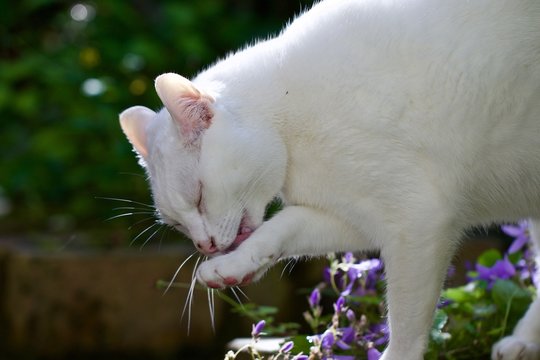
x: 373, y: 354
x: 327, y: 340
x: 502, y: 269
x: 327, y: 275
x: 370, y: 270
x: 350, y: 315
x: 368, y: 265
x: 519, y: 232
x: 378, y: 334
x: 338, y: 306
x: 349, y: 258
x: 300, y: 357
x: 315, y: 298
x: 287, y: 347
x: 347, y: 336
x: 443, y: 303
x: 340, y: 279
x: 342, y: 345
x: 257, y: 329
x: 352, y: 274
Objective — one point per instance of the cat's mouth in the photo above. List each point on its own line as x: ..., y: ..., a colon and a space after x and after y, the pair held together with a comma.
x: 244, y: 232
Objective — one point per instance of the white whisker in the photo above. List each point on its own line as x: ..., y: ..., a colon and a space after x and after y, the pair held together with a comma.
x: 136, y: 208
x: 150, y: 237
x: 177, y: 272
x: 126, y: 200
x: 188, y: 303
x: 213, y: 300
x: 242, y: 292
x: 189, y: 299
x: 210, y: 295
x: 129, y: 208
x: 239, y: 206
x: 142, y: 232
x: 141, y: 221
x: 292, y: 262
x: 129, y: 214
x: 293, y: 265
x: 163, y: 235
x: 237, y: 298
x: 132, y: 174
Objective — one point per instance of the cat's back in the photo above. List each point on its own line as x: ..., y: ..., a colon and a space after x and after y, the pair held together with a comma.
x: 398, y: 89
x: 410, y: 56
x: 415, y: 17
x: 364, y: 31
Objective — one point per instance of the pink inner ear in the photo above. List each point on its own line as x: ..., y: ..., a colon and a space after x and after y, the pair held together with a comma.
x: 189, y: 107
x: 193, y: 115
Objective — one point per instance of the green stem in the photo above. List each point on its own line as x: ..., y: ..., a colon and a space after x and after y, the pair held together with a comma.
x: 507, y: 314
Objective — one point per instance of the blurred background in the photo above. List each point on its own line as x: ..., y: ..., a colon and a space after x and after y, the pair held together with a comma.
x: 67, y: 69
x: 71, y: 283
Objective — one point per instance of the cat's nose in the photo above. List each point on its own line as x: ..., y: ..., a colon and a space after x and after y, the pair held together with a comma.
x: 207, y: 247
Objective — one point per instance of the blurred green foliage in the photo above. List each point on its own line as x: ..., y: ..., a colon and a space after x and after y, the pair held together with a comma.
x: 67, y: 69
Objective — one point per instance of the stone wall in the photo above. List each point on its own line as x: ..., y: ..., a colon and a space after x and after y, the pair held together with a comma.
x: 60, y: 304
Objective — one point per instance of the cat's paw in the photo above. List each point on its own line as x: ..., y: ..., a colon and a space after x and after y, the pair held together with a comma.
x: 230, y: 270
x: 514, y: 348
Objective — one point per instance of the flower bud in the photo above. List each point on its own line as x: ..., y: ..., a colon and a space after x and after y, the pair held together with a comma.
x: 287, y: 347
x: 315, y: 298
x: 258, y: 328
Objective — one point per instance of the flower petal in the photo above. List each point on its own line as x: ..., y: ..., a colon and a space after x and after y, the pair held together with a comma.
x: 373, y: 354
x: 327, y: 340
x: 512, y: 230
x: 517, y: 244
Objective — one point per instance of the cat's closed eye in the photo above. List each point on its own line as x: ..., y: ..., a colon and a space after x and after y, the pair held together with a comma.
x: 200, y: 204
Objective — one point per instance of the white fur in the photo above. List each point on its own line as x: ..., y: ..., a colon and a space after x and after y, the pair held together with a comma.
x: 383, y: 124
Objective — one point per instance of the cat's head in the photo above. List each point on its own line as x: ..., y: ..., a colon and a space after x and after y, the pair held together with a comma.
x: 212, y: 173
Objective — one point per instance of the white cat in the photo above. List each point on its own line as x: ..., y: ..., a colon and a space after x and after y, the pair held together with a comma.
x: 382, y: 124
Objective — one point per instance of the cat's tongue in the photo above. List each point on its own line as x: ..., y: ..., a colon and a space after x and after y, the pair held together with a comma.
x: 243, y: 233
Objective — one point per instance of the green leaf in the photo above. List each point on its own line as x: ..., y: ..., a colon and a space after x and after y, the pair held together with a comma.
x: 301, y: 344
x: 266, y: 310
x: 512, y: 300
x: 458, y: 294
x: 489, y: 257
x: 471, y: 292
x: 484, y: 310
x: 439, y: 321
x: 515, y: 257
x: 506, y: 291
x: 366, y: 299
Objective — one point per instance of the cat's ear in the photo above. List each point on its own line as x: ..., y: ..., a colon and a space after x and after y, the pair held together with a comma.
x: 134, y: 122
x: 189, y: 107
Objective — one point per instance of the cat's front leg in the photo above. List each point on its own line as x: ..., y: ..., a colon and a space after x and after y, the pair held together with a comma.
x: 295, y: 230
x: 415, y: 263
